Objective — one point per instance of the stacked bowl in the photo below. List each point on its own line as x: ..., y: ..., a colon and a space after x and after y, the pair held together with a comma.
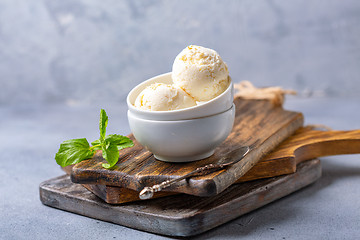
x: 182, y: 135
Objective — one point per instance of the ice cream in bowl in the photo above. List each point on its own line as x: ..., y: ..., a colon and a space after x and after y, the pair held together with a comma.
x: 185, y: 114
x: 172, y: 103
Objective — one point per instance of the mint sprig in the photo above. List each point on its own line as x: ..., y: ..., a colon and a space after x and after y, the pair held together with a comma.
x: 76, y: 150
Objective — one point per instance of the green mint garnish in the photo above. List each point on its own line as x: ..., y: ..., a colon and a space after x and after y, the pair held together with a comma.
x: 76, y: 150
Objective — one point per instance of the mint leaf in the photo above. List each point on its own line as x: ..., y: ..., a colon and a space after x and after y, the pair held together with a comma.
x: 73, y: 151
x: 111, y: 146
x: 96, y: 144
x: 120, y: 141
x: 110, y: 153
x: 103, y: 124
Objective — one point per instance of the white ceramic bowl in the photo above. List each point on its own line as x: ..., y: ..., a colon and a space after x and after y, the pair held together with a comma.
x: 182, y: 140
x: 216, y: 105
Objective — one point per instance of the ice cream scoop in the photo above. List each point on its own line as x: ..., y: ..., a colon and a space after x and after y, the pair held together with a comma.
x: 200, y: 72
x: 163, y: 97
x: 216, y: 105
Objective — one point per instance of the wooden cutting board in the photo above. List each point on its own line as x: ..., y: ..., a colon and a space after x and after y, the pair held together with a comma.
x: 179, y: 215
x: 305, y: 144
x: 256, y: 122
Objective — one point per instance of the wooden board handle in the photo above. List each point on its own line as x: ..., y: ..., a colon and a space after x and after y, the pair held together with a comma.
x: 308, y: 144
x: 305, y: 144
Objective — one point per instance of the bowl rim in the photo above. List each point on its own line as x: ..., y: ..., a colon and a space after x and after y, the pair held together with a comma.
x: 232, y: 108
x: 165, y: 113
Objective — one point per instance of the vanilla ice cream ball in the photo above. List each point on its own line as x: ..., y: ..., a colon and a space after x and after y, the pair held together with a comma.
x: 163, y: 97
x: 200, y: 72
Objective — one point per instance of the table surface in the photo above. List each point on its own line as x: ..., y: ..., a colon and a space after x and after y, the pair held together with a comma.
x: 30, y: 136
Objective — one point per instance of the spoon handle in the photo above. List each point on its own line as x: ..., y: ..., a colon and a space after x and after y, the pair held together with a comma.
x: 148, y: 192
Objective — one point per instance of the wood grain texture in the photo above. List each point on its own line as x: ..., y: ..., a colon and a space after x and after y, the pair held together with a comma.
x: 304, y: 145
x: 113, y: 194
x: 255, y: 122
x: 180, y: 215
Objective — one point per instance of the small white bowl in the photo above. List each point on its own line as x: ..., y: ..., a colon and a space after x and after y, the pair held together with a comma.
x: 217, y: 105
x: 183, y: 140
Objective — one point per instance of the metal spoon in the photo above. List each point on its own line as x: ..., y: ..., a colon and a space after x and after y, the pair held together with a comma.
x: 231, y: 158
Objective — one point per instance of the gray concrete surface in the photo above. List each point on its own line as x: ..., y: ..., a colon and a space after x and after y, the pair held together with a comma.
x: 90, y: 51
x: 31, y: 134
x: 61, y: 61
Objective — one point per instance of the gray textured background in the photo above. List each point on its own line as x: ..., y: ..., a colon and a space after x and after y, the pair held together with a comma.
x: 79, y: 55
x: 87, y: 51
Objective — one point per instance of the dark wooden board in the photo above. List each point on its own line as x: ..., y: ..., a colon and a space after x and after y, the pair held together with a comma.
x: 304, y: 145
x: 179, y: 215
x: 255, y: 122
